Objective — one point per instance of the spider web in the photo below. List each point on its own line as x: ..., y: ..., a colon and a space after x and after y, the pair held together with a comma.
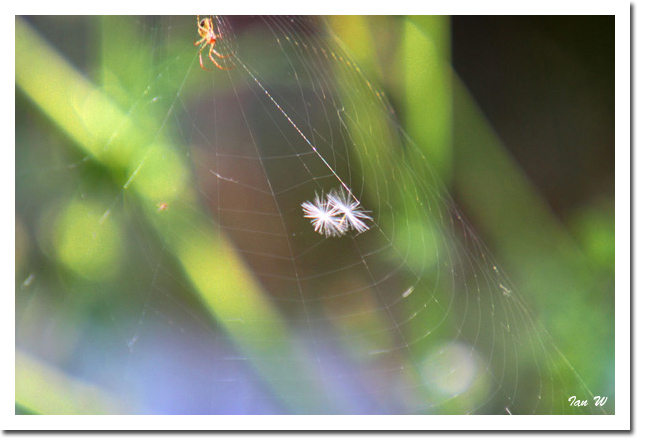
x: 194, y: 283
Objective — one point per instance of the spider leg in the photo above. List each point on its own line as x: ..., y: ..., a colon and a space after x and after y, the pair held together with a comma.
x: 201, y: 63
x: 210, y: 55
x: 221, y: 56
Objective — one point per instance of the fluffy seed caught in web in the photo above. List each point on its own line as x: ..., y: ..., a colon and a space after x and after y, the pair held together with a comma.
x: 353, y: 215
x: 337, y: 214
x: 325, y: 219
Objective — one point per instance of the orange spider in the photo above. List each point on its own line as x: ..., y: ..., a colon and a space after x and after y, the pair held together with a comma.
x: 206, y: 31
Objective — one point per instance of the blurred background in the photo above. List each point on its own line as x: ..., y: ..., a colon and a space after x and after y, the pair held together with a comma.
x: 127, y: 298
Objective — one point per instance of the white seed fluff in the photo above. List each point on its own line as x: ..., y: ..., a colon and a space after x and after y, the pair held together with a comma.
x: 325, y: 219
x: 353, y: 215
x: 337, y: 214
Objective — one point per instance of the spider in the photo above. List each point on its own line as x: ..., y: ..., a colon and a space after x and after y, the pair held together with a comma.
x: 206, y: 31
